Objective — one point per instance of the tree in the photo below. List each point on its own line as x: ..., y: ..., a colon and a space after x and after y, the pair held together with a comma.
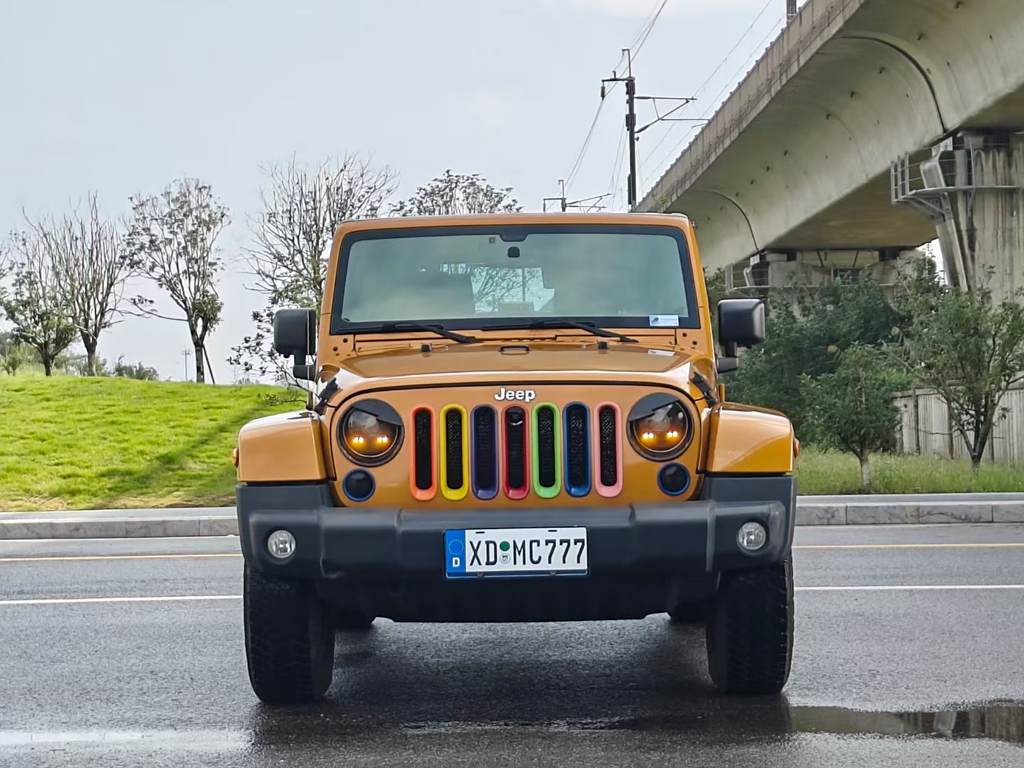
x: 13, y: 354
x: 171, y: 239
x: 88, y: 254
x: 853, y: 407
x: 457, y: 193
x: 806, y: 328
x: 968, y: 349
x: 137, y: 371
x: 292, y: 238
x: 35, y: 304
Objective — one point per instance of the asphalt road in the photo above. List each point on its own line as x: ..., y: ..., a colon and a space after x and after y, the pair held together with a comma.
x: 909, y: 648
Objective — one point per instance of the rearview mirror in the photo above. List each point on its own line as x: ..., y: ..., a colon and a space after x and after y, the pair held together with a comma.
x: 740, y: 324
x: 295, y: 337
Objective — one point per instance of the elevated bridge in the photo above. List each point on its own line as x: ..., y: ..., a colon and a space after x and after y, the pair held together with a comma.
x: 868, y: 128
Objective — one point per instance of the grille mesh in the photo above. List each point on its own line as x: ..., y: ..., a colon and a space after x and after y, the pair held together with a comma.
x: 576, y: 456
x: 453, y: 448
x: 515, y: 448
x: 422, y: 446
x: 546, y: 455
x: 608, y: 441
x: 485, y: 451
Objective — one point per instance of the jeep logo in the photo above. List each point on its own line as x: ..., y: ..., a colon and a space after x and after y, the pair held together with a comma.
x: 525, y: 395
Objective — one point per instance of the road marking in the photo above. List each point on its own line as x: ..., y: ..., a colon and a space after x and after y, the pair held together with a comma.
x: 71, y: 558
x: 200, y: 598
x: 965, y: 545
x: 93, y: 600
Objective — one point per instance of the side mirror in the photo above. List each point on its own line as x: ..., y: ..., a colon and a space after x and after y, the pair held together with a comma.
x: 740, y: 324
x: 295, y: 337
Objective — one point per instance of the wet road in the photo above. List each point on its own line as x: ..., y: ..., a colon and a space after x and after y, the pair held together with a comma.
x: 909, y: 648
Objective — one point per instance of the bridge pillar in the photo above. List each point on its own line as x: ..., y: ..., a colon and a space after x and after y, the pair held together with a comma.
x: 772, y: 270
x: 972, y: 186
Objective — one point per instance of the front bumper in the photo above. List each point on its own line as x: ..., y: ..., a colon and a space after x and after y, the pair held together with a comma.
x: 644, y: 558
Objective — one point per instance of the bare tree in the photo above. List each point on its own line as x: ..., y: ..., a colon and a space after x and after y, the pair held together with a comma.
x: 292, y: 237
x: 171, y: 239
x: 458, y: 193
x: 88, y: 254
x: 35, y: 304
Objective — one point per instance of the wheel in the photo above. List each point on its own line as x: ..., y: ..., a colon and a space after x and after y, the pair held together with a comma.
x: 351, y: 619
x: 289, y: 639
x: 689, y: 613
x: 750, y: 630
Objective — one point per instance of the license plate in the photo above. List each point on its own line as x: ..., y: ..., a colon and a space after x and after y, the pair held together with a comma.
x: 515, y: 552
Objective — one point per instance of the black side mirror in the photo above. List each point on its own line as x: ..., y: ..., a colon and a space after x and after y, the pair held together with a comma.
x: 295, y: 337
x: 740, y: 324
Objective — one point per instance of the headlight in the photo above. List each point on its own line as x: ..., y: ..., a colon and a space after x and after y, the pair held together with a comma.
x: 370, y: 432
x: 659, y: 427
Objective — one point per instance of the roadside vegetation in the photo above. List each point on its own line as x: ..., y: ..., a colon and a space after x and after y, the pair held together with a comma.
x: 69, y: 442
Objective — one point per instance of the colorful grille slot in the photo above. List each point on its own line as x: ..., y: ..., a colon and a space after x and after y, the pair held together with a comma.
x: 577, y: 449
x: 422, y: 469
x: 454, y: 453
x: 516, y: 453
x: 608, y: 456
x: 547, y: 449
x: 484, y: 441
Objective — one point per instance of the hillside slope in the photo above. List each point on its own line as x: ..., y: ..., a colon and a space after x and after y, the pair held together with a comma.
x: 80, y: 443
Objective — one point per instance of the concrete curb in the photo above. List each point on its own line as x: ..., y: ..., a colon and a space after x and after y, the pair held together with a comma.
x: 809, y: 511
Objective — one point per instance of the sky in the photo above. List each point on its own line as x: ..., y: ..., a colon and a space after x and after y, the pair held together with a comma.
x: 120, y: 97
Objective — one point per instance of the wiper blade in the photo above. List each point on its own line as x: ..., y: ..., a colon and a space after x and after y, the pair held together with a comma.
x: 588, y: 327
x: 440, y: 330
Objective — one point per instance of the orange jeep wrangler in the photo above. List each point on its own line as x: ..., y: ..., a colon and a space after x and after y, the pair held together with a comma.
x: 519, y: 419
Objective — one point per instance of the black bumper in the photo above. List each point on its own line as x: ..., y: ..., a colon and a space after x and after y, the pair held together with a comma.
x: 644, y: 558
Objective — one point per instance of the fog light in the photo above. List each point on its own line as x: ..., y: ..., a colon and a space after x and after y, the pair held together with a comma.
x: 281, y: 545
x: 752, y: 537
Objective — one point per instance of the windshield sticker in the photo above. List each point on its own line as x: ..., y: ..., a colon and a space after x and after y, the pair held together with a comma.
x: 664, y: 321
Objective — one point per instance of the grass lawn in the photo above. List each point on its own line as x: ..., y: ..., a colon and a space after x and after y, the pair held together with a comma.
x: 830, y: 472
x: 77, y: 443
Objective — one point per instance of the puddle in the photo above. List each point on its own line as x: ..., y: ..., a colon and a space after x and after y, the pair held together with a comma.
x: 1000, y: 721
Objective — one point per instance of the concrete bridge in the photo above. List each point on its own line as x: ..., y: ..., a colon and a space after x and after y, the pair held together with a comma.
x: 868, y: 128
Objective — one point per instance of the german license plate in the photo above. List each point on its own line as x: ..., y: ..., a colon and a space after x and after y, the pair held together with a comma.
x: 515, y: 552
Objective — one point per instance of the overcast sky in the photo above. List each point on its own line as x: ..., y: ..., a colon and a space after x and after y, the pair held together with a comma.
x: 122, y: 97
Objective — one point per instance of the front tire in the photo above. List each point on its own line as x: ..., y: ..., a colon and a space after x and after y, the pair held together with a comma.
x: 750, y: 630
x: 289, y: 639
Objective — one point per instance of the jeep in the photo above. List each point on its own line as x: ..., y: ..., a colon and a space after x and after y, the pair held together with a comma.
x: 516, y: 418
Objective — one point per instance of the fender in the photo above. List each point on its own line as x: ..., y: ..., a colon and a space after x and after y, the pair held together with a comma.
x: 749, y: 441
x: 283, y: 448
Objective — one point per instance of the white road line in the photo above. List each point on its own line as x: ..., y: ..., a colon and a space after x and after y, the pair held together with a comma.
x: 93, y: 558
x: 951, y: 545
x: 88, y: 600
x: 200, y: 598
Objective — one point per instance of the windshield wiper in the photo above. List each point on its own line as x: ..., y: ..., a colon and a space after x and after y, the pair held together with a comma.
x: 440, y: 330
x: 553, y: 323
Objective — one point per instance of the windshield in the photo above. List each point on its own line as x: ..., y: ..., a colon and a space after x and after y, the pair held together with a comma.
x: 472, y: 277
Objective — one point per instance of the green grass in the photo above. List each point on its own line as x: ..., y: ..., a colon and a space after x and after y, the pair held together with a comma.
x: 830, y: 472
x: 93, y: 443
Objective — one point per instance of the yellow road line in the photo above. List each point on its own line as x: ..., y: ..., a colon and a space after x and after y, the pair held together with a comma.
x: 66, y: 558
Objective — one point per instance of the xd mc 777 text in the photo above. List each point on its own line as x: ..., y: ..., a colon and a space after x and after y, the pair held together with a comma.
x: 519, y: 420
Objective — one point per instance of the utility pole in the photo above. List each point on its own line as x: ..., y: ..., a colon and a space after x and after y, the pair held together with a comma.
x: 560, y: 199
x: 186, y: 353
x: 632, y: 131
x: 790, y: 10
x: 583, y: 204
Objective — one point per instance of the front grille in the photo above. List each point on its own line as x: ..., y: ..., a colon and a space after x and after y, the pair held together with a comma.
x: 485, y: 452
x: 514, y: 428
x: 515, y: 450
x: 577, y: 450
x: 423, y: 450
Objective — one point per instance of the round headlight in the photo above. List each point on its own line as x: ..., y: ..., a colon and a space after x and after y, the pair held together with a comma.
x: 659, y: 427
x: 370, y: 432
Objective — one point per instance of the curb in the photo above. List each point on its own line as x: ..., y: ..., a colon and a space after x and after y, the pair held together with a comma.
x: 808, y: 513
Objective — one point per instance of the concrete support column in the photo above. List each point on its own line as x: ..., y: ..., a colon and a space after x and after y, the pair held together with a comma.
x: 975, y: 181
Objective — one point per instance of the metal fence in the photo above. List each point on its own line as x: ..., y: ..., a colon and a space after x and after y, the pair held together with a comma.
x: 926, y: 428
